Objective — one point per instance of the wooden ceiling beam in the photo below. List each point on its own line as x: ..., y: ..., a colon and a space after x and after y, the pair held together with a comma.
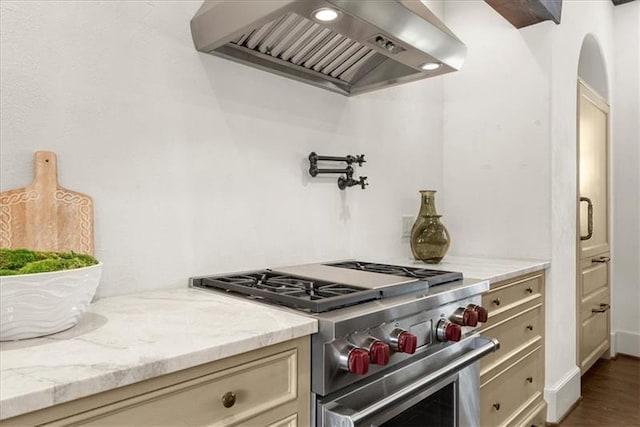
x: 618, y: 2
x: 522, y: 13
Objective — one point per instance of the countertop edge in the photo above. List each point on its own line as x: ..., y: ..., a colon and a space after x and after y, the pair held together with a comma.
x: 520, y: 272
x: 492, y: 269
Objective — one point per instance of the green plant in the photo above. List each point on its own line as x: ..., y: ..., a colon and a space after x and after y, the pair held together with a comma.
x: 24, y: 261
x: 16, y: 258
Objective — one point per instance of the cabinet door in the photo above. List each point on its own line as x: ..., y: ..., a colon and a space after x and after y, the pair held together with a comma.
x: 229, y: 397
x: 505, y: 396
x: 593, y: 172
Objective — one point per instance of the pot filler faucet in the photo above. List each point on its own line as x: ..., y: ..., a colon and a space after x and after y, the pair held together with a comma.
x: 343, y: 181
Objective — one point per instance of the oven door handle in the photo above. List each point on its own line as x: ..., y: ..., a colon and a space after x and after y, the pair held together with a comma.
x: 347, y: 417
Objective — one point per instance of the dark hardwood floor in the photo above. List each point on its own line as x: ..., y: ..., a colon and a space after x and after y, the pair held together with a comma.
x: 610, y: 395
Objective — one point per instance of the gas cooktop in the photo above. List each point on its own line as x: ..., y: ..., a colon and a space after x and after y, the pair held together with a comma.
x: 317, y: 288
x: 293, y: 291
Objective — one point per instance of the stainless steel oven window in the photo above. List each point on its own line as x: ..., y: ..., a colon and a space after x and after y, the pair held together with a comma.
x: 433, y: 407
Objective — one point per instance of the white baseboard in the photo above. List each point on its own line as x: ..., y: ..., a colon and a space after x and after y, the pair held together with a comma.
x: 624, y: 342
x: 561, y: 396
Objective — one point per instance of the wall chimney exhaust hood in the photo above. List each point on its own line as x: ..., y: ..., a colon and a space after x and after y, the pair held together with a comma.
x: 346, y: 46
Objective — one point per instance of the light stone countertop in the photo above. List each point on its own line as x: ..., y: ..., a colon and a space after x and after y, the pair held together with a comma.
x: 126, y: 339
x: 492, y: 269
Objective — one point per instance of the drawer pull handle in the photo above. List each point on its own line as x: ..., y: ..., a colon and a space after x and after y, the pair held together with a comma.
x: 529, y: 290
x: 602, y: 259
x: 530, y: 327
x: 496, y: 301
x: 602, y: 309
x: 228, y: 399
x: 529, y: 380
x: 497, y: 406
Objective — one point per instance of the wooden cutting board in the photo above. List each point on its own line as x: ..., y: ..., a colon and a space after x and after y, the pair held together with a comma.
x: 45, y: 216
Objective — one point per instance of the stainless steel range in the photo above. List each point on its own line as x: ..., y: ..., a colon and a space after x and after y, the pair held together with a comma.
x: 395, y: 345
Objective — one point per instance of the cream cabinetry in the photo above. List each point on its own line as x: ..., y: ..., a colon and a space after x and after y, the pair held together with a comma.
x: 512, y: 378
x: 266, y: 387
x: 593, y: 317
x: 593, y: 295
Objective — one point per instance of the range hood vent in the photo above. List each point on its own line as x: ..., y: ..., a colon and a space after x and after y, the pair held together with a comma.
x: 371, y: 44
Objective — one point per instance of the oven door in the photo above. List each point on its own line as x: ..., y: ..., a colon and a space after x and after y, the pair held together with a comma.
x: 440, y: 390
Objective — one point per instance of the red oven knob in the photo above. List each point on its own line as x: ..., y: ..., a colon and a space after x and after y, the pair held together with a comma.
x: 403, y: 341
x: 379, y: 353
x: 448, y: 331
x: 407, y: 343
x: 470, y: 317
x: 483, y: 313
x: 465, y: 317
x: 358, y: 361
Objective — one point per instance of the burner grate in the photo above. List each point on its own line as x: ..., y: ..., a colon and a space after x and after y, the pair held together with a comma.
x: 312, y: 295
x: 433, y: 277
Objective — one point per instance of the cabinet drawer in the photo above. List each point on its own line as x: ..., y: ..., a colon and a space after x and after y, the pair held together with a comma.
x: 595, y: 330
x: 536, y: 418
x: 594, y: 277
x: 290, y: 421
x: 503, y: 297
x: 511, y: 390
x: 596, y: 301
x: 258, y: 386
x: 513, y: 333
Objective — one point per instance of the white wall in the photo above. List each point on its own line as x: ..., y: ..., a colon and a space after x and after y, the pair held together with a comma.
x: 198, y: 165
x: 496, y: 131
x: 625, y: 153
x: 510, y: 156
x: 407, y: 160
x: 578, y: 19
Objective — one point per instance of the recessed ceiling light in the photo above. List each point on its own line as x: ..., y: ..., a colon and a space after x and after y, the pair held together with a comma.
x: 430, y: 66
x: 326, y: 14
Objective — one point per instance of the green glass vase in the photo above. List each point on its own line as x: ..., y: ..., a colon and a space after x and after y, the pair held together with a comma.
x: 429, y: 237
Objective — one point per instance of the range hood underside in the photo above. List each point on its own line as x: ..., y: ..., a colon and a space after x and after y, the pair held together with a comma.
x: 343, y: 57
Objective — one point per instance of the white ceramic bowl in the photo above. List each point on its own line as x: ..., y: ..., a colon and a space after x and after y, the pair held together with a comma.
x: 33, y: 305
